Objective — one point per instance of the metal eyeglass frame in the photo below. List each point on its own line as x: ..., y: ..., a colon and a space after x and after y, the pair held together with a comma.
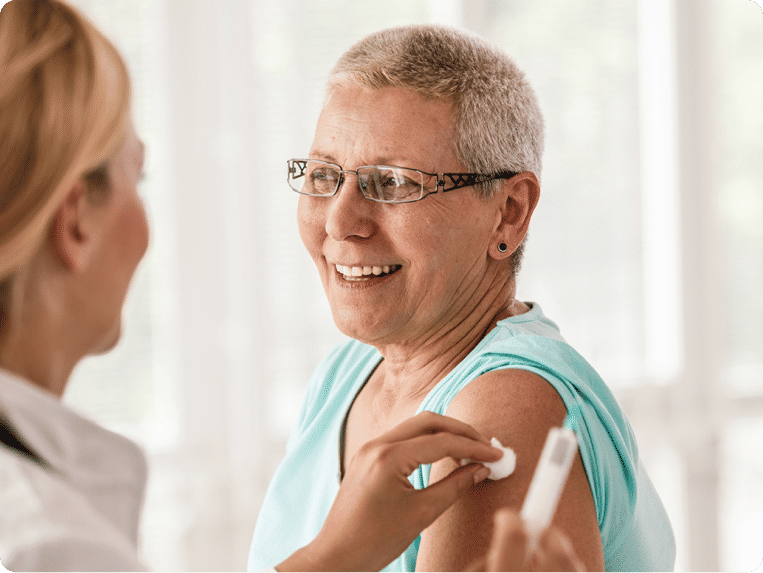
x: 457, y: 180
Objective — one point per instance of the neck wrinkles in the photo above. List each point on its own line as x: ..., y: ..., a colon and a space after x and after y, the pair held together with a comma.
x: 414, y: 367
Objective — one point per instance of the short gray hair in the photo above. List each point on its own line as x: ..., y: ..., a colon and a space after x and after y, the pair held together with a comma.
x: 498, y: 124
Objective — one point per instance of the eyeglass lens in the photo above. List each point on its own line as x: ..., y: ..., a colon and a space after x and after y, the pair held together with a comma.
x: 379, y: 183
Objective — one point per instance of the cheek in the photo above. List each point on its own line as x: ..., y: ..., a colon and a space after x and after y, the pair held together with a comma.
x: 311, y: 228
x: 447, y: 248
x: 142, y: 230
x: 427, y: 237
x: 132, y: 227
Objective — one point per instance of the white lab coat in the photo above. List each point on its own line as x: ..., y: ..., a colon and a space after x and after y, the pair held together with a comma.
x: 82, y: 514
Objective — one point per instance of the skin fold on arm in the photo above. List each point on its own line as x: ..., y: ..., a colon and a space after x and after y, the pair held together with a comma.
x: 518, y: 408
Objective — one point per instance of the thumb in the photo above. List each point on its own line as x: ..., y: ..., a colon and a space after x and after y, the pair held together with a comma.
x: 439, y: 496
x: 478, y: 565
x: 509, y: 544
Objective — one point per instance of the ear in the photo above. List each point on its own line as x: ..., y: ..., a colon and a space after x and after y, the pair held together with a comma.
x: 517, y: 198
x: 72, y: 236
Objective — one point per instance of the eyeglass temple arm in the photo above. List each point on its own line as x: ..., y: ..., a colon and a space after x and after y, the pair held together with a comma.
x: 297, y: 165
x: 459, y: 180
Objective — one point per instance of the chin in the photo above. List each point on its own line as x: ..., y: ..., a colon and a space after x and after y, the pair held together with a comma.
x: 110, y: 340
x: 350, y: 324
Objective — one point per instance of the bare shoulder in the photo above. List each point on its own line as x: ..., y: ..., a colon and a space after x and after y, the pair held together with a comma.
x: 502, y: 399
x: 518, y: 408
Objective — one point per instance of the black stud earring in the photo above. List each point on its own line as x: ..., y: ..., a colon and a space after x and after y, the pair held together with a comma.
x: 502, y: 247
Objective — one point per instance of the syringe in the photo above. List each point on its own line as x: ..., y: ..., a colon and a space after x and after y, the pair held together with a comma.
x: 550, y: 477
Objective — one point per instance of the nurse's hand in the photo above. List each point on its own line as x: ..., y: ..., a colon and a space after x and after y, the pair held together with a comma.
x: 377, y: 513
x: 508, y: 548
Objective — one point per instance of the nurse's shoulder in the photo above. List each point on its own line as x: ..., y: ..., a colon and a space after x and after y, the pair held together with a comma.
x: 47, y: 526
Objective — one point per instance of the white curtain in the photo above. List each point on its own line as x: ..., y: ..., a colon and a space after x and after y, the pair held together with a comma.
x: 646, y: 248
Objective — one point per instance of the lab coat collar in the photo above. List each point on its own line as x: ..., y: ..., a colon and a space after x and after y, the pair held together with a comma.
x: 107, y: 468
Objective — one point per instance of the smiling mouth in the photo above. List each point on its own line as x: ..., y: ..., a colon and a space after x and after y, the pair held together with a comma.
x: 365, y: 273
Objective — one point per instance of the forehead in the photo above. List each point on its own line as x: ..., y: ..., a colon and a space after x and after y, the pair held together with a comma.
x: 132, y: 145
x: 387, y: 125
x: 130, y: 154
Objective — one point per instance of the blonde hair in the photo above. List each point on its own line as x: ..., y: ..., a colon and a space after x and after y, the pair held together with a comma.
x: 64, y: 107
x: 498, y: 125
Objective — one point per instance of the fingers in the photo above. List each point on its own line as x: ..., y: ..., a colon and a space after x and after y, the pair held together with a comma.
x: 508, y: 548
x: 430, y: 448
x: 436, y: 498
x: 555, y: 553
x: 430, y: 423
x: 478, y: 565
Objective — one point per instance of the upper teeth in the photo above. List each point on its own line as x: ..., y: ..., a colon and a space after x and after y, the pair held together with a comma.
x: 364, y: 271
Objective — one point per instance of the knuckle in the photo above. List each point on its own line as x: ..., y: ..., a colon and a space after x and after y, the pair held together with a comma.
x: 429, y: 418
x: 365, y: 452
x: 377, y: 453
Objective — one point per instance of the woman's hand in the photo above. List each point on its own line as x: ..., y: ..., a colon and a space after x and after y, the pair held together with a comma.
x: 508, y: 548
x: 378, y: 513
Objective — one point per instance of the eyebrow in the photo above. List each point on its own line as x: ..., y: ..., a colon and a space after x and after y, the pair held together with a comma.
x: 383, y: 161
x: 322, y: 157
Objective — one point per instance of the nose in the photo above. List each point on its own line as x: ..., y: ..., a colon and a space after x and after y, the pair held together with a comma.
x: 349, y: 213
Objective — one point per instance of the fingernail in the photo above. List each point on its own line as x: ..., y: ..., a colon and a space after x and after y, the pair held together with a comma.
x: 481, y: 475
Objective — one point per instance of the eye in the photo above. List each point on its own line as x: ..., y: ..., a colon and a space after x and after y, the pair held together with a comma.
x: 408, y: 183
x: 401, y: 184
x: 321, y: 179
x: 395, y: 178
x: 324, y: 175
x: 387, y: 181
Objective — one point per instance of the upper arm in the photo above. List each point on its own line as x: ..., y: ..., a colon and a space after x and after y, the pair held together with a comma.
x: 518, y: 408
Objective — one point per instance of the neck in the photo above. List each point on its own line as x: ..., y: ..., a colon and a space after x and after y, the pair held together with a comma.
x: 37, y: 359
x: 38, y: 343
x: 414, y: 367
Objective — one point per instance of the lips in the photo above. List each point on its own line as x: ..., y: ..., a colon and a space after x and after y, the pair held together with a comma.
x: 365, y: 272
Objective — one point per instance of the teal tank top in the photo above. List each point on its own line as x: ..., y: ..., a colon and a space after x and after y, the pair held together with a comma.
x: 635, y: 530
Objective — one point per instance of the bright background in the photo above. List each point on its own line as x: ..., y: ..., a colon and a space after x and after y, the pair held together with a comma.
x: 646, y: 248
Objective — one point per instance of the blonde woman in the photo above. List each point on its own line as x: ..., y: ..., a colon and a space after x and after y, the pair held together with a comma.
x: 72, y: 232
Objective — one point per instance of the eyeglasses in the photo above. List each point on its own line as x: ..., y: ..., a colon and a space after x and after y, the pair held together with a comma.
x: 382, y: 183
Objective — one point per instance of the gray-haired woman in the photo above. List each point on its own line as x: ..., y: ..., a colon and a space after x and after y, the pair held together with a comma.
x: 416, y: 197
